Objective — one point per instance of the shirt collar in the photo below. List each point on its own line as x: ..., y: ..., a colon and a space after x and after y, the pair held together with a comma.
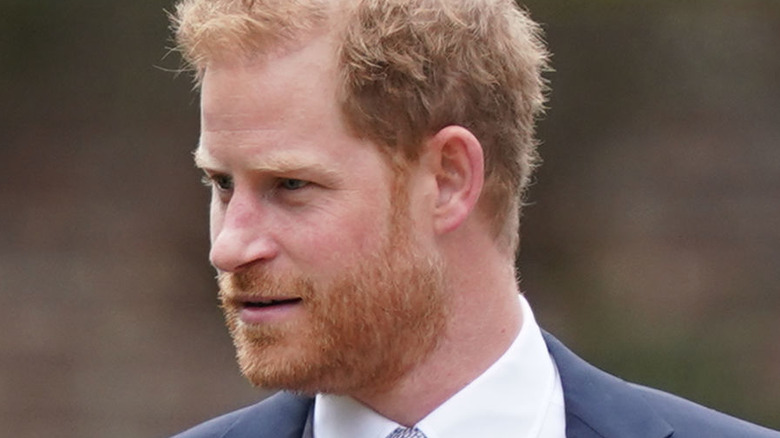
x: 511, y: 398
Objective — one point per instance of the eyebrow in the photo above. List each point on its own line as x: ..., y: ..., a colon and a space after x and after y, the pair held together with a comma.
x: 203, y: 159
x: 280, y: 162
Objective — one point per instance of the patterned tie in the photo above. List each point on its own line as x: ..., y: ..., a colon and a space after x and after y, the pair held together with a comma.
x: 403, y: 432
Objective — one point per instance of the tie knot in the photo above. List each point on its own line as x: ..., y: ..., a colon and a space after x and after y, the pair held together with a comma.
x: 405, y: 432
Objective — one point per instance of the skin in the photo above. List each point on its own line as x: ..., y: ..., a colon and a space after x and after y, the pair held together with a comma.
x: 294, y: 191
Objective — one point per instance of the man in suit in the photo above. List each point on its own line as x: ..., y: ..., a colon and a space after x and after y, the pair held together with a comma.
x: 367, y: 161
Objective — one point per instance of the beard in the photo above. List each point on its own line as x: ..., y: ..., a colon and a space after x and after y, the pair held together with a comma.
x: 361, y: 331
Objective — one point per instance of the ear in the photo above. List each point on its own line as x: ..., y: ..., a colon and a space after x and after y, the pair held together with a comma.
x: 457, y: 161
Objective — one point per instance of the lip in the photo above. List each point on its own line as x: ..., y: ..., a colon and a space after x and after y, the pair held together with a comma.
x: 267, y: 310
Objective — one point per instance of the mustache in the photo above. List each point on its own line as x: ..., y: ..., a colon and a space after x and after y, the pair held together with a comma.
x: 244, y: 281
x: 257, y: 284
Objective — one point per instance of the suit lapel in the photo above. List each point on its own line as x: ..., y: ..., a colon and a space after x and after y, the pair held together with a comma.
x: 308, y: 429
x: 599, y: 405
x: 283, y: 415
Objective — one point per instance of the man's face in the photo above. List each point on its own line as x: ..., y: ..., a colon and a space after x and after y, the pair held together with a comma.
x: 323, y: 280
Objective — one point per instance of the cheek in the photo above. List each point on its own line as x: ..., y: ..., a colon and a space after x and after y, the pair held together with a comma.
x: 338, y: 239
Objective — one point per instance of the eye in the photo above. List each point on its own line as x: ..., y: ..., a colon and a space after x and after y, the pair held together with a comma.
x: 221, y: 182
x: 292, y: 184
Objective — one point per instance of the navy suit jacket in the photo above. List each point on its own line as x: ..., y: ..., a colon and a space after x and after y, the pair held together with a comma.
x: 598, y: 405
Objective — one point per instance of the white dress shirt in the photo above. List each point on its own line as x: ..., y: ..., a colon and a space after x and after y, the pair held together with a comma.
x: 519, y: 396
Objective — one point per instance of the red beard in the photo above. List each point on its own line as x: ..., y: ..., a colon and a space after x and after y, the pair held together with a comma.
x: 362, y: 331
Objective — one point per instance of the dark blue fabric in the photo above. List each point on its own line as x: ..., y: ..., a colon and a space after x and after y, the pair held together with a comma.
x: 598, y: 405
x: 282, y: 415
x: 601, y: 405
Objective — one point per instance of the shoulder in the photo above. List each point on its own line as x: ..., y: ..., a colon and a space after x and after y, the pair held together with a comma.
x: 692, y: 420
x: 280, y: 415
x: 599, y: 404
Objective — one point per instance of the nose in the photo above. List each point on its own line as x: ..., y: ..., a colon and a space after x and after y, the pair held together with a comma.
x: 240, y: 235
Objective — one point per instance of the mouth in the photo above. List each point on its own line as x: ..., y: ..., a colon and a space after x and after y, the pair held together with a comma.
x: 262, y: 304
x: 268, y: 310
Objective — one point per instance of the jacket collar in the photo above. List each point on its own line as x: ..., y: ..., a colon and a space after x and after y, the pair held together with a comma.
x: 601, y: 405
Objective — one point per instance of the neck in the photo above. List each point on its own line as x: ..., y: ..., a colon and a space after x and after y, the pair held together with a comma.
x: 484, y: 320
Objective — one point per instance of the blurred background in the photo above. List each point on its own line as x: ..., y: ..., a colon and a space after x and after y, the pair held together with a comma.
x: 651, y: 245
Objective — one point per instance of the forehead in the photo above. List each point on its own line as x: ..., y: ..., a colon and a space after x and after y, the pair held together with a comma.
x: 294, y: 85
